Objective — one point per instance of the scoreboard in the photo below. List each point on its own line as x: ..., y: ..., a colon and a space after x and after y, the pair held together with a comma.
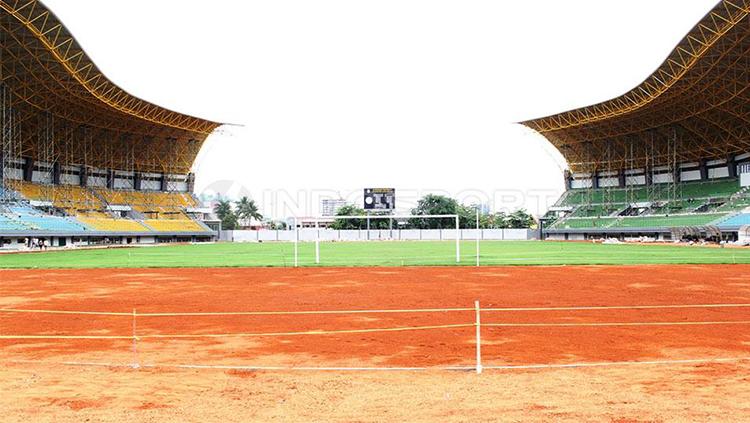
x: 380, y: 198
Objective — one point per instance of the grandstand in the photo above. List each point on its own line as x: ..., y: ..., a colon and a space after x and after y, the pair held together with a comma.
x: 671, y: 157
x: 82, y: 161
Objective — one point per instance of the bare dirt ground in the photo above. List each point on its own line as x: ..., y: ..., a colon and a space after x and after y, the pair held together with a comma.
x: 716, y: 392
x: 36, y: 386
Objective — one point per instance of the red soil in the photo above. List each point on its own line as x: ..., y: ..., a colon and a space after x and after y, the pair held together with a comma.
x: 269, y: 289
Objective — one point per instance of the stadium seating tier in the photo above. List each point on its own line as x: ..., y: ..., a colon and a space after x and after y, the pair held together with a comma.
x: 176, y: 225
x: 89, y: 209
x: 113, y: 225
x: 738, y: 220
x: 697, y: 204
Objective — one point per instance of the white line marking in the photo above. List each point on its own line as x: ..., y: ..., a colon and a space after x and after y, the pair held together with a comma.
x: 380, y: 369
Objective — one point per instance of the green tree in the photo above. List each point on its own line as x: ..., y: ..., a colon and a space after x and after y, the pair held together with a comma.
x: 498, y: 220
x: 349, y: 210
x: 382, y: 222
x: 467, y: 217
x: 230, y: 222
x: 432, y: 204
x: 520, y: 219
x: 247, y: 210
x: 223, y: 210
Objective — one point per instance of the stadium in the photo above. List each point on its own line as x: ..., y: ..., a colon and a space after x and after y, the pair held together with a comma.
x: 123, y: 298
x: 669, y: 159
x: 83, y: 162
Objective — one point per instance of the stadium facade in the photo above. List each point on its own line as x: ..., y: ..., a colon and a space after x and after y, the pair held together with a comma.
x: 82, y: 161
x: 671, y: 158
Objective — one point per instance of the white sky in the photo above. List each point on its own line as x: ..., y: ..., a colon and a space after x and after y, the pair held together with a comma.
x: 420, y: 95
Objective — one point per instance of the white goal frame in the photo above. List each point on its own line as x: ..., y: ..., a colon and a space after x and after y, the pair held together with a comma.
x: 317, y: 220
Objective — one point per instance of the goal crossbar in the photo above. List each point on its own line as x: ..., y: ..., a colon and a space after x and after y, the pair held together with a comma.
x: 317, y: 220
x: 386, y: 216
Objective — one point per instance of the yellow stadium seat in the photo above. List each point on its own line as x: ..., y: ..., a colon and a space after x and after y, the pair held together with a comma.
x: 112, y: 225
x: 150, y: 201
x: 174, y: 225
x: 67, y: 197
x: 165, y: 211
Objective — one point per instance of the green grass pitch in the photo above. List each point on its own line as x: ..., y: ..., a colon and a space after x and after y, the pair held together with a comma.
x: 387, y: 253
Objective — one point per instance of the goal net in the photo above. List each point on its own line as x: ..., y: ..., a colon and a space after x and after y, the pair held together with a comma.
x: 378, y: 240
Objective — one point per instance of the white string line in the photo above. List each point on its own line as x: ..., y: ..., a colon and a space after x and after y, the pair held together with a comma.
x: 85, y: 313
x: 234, y: 367
x: 237, y: 335
x: 616, y: 363
x: 365, y: 369
x: 604, y: 324
x: 383, y: 311
x: 313, y: 332
x: 308, y: 368
x: 69, y: 337
x: 373, y: 330
x: 240, y: 313
x: 500, y: 259
x: 622, y: 307
x: 293, y: 313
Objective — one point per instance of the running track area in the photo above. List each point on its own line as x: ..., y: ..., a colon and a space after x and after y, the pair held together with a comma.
x: 542, y: 315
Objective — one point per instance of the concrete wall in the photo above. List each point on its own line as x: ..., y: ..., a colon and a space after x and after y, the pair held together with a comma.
x: 309, y: 235
x: 17, y: 242
x: 744, y: 234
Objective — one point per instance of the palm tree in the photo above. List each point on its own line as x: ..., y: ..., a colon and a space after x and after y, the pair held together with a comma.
x: 223, y: 210
x: 248, y: 210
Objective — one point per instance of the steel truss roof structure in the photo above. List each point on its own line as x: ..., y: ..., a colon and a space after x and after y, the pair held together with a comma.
x: 695, y: 106
x: 58, y: 107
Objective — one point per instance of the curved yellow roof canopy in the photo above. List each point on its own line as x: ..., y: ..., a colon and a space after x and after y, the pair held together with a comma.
x: 50, y: 79
x: 695, y: 106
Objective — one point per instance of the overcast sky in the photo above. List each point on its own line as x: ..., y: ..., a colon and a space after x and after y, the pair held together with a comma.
x: 421, y: 95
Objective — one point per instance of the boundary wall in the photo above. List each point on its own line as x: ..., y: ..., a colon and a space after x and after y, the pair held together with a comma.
x: 309, y: 235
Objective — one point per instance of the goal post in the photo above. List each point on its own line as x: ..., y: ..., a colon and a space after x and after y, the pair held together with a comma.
x: 316, y: 222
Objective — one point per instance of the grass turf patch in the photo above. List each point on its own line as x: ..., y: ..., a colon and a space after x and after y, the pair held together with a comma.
x: 386, y: 253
